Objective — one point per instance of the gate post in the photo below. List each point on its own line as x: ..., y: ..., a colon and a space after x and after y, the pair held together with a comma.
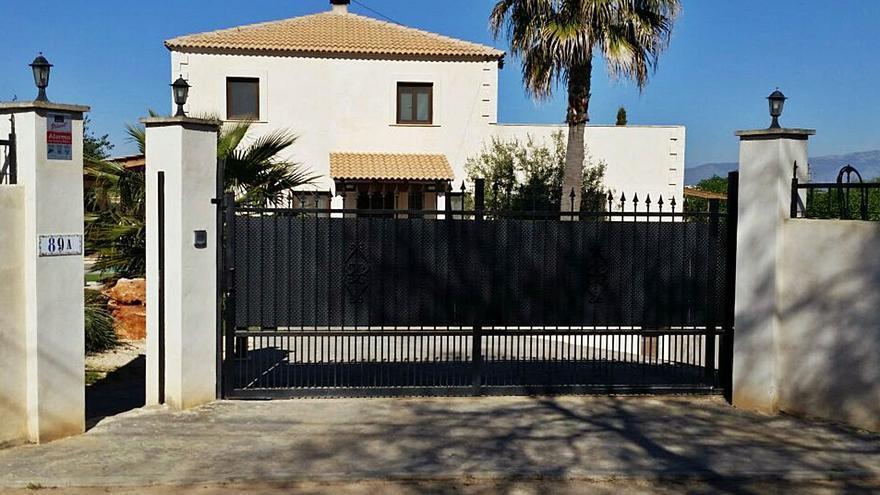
x: 182, y: 271
x: 767, y: 162
x: 42, y: 385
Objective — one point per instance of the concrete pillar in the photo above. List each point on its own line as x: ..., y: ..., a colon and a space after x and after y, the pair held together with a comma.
x: 49, y: 149
x: 182, y: 363
x: 766, y: 167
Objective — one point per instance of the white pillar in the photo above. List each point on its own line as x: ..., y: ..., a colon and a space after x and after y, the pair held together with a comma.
x: 49, y: 140
x: 184, y: 150
x: 766, y: 167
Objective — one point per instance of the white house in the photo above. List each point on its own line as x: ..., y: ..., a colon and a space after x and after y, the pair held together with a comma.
x: 385, y: 108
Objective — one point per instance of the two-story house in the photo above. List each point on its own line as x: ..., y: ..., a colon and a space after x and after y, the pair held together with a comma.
x: 387, y: 109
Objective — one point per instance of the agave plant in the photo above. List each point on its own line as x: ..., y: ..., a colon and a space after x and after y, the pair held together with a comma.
x: 115, y: 205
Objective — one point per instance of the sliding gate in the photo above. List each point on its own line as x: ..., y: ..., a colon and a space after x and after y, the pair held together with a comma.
x: 634, y: 298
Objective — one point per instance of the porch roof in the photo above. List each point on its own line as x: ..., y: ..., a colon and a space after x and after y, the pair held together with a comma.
x: 390, y: 166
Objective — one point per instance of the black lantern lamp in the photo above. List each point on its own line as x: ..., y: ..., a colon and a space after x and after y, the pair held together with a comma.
x: 41, y: 68
x: 777, y: 103
x: 180, y: 88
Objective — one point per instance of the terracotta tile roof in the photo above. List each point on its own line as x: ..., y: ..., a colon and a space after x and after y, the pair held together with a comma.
x: 693, y: 192
x: 389, y: 166
x: 334, y: 33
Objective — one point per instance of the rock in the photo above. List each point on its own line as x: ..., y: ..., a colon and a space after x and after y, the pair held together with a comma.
x: 129, y: 291
x: 127, y: 304
x: 129, y: 321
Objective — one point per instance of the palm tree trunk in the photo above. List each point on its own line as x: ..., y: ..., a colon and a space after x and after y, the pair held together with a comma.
x: 579, y: 86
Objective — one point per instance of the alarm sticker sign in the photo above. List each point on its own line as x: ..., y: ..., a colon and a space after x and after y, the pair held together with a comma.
x: 59, y: 136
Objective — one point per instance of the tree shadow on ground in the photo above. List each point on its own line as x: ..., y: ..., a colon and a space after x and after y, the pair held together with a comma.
x: 121, y: 390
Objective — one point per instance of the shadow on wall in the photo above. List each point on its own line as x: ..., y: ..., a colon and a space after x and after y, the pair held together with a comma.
x: 826, y: 355
x: 829, y: 360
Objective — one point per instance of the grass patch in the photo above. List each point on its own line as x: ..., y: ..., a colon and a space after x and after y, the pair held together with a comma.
x: 93, y: 377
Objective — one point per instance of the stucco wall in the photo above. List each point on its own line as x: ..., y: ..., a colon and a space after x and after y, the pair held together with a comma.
x: 13, y: 379
x: 349, y: 105
x: 640, y: 159
x: 829, y: 338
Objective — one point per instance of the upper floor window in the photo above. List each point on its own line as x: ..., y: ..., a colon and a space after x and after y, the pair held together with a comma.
x: 242, y: 98
x: 415, y: 103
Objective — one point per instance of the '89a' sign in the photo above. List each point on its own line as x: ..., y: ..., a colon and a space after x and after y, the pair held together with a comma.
x: 61, y: 245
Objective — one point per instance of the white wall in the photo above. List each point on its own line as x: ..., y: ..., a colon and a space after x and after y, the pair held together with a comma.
x: 829, y: 338
x: 640, y: 159
x: 13, y: 379
x: 186, y: 151
x: 349, y: 105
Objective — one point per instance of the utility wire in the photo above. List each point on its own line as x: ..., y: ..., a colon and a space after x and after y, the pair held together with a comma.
x: 361, y: 4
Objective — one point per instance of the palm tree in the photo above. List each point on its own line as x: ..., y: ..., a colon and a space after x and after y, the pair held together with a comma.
x: 556, y: 41
x: 115, y: 204
x: 253, y: 171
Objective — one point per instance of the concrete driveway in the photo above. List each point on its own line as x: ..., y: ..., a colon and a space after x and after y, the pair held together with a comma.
x: 464, y: 445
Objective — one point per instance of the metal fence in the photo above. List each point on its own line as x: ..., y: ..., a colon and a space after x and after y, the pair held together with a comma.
x: 8, y: 169
x: 848, y: 198
x: 321, y: 302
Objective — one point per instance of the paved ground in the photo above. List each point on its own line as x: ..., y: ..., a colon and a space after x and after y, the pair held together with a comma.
x: 483, y: 445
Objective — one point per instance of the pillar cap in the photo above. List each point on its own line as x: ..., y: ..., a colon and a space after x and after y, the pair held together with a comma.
x: 770, y: 134
x: 24, y: 106
x: 186, y: 122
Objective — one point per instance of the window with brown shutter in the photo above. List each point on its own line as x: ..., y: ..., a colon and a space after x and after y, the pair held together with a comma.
x: 415, y: 103
x: 242, y: 98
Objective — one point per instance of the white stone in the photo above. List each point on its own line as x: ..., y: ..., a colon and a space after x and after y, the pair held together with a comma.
x: 53, y: 286
x: 187, y: 155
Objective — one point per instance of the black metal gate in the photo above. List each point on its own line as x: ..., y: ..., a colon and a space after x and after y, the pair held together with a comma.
x: 318, y: 302
x: 8, y: 169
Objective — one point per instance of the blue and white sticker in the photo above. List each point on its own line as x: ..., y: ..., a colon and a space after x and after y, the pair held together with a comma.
x: 52, y: 245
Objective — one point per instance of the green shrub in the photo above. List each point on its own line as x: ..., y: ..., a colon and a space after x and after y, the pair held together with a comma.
x: 100, y: 335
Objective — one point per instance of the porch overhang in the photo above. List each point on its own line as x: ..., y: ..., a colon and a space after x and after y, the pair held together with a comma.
x: 390, y: 167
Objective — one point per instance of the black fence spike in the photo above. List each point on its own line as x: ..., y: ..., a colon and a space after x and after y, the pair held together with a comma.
x: 636, y: 198
x: 463, y: 187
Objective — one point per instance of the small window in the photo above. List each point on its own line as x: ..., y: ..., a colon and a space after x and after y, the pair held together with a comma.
x: 415, y: 103
x: 242, y: 98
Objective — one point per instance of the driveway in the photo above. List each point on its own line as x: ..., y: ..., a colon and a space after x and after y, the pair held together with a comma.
x: 456, y: 445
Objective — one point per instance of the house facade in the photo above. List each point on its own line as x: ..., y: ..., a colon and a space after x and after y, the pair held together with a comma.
x: 385, y: 109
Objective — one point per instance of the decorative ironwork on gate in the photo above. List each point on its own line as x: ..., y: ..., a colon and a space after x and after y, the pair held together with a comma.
x: 326, y: 302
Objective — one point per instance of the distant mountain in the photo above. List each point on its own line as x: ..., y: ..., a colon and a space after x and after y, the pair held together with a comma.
x: 822, y: 168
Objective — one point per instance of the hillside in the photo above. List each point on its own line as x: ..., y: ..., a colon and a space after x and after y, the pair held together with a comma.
x: 822, y: 168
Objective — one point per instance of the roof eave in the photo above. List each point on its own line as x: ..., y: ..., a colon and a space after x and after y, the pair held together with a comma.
x: 288, y: 52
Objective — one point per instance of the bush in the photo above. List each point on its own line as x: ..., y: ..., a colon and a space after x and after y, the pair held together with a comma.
x: 100, y: 335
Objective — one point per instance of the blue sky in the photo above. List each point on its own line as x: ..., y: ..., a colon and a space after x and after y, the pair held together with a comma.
x: 726, y: 56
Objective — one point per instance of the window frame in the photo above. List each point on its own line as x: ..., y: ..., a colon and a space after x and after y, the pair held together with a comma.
x: 414, y: 88
x: 241, y: 79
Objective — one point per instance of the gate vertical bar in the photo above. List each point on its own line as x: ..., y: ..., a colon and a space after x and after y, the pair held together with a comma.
x: 13, y: 165
x: 160, y: 203
x: 229, y: 306
x: 725, y: 366
x: 477, y: 339
x: 712, y: 292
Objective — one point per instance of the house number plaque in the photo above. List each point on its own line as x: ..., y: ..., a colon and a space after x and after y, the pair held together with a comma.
x: 61, y: 245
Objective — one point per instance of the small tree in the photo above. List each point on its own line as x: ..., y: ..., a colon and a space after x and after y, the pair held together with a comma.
x: 527, y: 176
x: 714, y: 184
x: 621, y: 116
